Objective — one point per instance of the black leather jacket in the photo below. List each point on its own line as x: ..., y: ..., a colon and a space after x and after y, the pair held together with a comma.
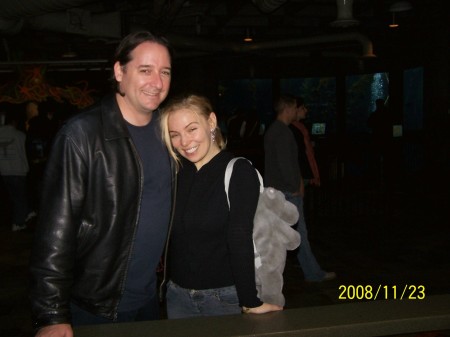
x: 88, y: 217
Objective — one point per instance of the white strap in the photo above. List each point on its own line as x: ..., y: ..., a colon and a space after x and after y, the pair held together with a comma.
x: 229, y: 171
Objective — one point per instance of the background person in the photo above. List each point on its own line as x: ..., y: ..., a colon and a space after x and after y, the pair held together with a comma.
x: 306, y: 157
x: 282, y: 172
x: 14, y: 169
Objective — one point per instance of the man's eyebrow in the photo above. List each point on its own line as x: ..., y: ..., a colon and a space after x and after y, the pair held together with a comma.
x: 152, y: 66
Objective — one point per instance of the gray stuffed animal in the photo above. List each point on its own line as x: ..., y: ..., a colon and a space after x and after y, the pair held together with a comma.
x: 273, y: 235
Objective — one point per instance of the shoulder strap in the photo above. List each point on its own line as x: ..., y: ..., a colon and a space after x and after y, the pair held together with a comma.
x: 229, y: 171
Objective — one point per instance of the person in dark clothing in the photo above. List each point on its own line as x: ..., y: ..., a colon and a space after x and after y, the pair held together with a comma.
x: 106, y: 202
x: 210, y: 246
x: 14, y: 169
x: 282, y: 172
x: 41, y: 131
x: 381, y: 124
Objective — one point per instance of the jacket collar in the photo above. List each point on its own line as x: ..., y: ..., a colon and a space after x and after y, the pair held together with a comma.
x: 114, y: 125
x: 113, y: 122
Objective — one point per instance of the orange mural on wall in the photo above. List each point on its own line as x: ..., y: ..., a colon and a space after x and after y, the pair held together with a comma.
x: 32, y: 86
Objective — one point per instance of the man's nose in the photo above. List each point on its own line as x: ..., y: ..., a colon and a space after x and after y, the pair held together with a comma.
x: 156, y: 80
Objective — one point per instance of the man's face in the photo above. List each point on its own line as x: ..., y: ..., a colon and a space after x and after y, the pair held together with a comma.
x: 32, y: 110
x: 145, y: 80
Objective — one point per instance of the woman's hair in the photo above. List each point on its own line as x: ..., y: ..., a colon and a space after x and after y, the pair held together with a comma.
x: 300, y: 101
x: 195, y: 103
x: 129, y: 43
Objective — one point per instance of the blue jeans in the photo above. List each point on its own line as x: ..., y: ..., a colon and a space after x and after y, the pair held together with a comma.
x: 150, y: 311
x: 182, y: 303
x: 310, y: 267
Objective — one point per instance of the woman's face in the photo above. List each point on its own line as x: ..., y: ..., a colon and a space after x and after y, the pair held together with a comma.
x: 190, y: 135
x: 302, y: 110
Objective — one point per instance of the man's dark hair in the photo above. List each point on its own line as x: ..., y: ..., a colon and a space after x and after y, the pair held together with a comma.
x: 129, y: 43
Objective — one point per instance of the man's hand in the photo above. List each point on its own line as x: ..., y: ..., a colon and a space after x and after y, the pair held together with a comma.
x: 57, y: 330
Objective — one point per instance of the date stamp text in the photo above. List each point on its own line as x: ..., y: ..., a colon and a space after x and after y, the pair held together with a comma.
x: 382, y: 292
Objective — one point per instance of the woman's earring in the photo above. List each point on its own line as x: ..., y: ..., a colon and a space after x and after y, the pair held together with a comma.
x: 213, y: 135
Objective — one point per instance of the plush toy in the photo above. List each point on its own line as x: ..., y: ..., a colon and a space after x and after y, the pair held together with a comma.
x: 273, y: 235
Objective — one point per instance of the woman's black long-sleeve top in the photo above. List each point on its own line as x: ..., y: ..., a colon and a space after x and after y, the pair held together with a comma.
x: 211, y: 245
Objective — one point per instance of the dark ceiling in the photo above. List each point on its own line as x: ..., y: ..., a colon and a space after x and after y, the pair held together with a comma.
x: 74, y: 30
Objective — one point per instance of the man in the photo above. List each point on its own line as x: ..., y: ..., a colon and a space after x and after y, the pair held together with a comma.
x: 282, y: 172
x: 106, y: 202
x: 14, y: 169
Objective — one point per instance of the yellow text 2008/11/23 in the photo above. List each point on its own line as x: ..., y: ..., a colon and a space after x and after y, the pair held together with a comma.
x: 382, y: 292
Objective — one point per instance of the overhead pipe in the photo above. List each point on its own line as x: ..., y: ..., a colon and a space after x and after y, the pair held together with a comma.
x: 218, y: 46
x: 366, y: 44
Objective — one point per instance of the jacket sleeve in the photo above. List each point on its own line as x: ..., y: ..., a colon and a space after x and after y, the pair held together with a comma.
x: 285, y: 149
x: 54, y: 246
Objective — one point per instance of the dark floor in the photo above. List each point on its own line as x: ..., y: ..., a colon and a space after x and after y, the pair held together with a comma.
x: 367, y: 235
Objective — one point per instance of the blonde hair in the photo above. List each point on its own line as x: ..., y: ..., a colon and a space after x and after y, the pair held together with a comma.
x: 195, y: 103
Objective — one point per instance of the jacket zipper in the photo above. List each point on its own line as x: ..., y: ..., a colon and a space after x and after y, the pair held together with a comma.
x: 166, y: 248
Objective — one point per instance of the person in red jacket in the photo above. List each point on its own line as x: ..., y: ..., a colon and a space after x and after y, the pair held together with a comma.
x: 306, y: 156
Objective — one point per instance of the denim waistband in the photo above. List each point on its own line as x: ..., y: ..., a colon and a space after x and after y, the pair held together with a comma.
x: 203, y: 291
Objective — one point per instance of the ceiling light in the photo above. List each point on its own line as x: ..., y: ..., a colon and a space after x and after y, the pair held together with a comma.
x: 397, y: 7
x: 248, y: 36
x: 393, y: 24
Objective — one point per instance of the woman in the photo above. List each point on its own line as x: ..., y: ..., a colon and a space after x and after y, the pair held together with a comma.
x: 211, y: 261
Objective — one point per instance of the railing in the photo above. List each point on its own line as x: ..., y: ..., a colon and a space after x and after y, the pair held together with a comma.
x: 361, y: 319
